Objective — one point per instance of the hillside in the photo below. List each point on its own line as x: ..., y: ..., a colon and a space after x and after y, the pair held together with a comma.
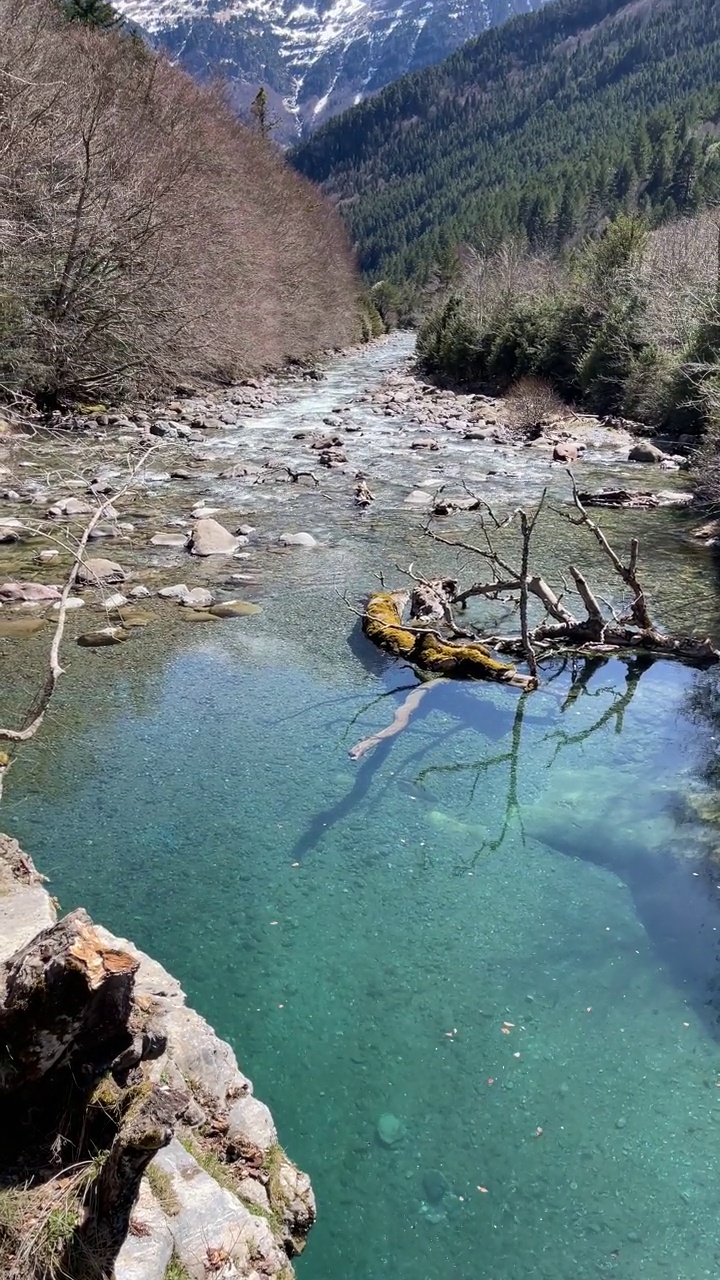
x: 543, y: 126
x: 146, y: 237
x: 315, y: 58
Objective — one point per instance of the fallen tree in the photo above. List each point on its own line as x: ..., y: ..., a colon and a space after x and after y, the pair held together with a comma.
x: 432, y: 641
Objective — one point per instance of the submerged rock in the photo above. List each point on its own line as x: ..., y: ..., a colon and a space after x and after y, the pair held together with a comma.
x: 96, y: 570
x: 235, y: 609
x: 178, y: 540
x: 435, y: 1186
x: 389, y: 1129
x: 13, y: 628
x: 198, y: 597
x: 28, y: 591
x: 298, y: 540
x: 177, y: 592
x: 105, y: 636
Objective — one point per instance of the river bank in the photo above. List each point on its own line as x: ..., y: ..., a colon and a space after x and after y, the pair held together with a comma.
x: 473, y: 1038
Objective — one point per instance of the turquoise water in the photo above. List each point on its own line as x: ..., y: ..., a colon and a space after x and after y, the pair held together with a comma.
x: 499, y: 929
x: 371, y: 942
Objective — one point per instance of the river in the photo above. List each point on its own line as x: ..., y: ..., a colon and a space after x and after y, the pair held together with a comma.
x: 474, y: 975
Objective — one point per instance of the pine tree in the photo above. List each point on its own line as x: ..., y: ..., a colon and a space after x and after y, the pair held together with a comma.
x: 96, y: 13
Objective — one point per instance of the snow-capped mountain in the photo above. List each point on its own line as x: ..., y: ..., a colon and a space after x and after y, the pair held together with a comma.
x: 315, y: 57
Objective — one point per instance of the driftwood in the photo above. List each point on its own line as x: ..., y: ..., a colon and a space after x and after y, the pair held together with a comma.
x: 634, y: 499
x: 433, y: 642
x: 400, y: 720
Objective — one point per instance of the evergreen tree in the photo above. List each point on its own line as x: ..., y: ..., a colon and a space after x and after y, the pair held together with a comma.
x: 96, y: 13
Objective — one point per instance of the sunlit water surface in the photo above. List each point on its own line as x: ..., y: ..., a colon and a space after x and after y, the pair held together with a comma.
x: 498, y: 929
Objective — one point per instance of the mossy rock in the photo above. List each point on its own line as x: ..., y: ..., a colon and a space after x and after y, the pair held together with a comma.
x: 235, y: 609
x: 12, y: 628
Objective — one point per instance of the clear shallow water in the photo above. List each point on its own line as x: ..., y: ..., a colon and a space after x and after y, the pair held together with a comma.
x: 388, y: 936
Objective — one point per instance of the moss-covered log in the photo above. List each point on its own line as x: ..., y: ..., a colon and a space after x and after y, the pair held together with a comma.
x: 429, y: 651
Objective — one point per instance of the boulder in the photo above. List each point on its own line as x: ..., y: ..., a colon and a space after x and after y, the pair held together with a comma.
x: 644, y: 451
x: 177, y: 592
x: 31, y: 591
x: 565, y: 451
x: 71, y: 507
x: 298, y: 540
x: 198, y: 598
x: 96, y: 570
x: 208, y: 538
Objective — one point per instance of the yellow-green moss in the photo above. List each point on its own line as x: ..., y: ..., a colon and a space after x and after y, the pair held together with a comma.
x: 162, y: 1188
x: 463, y: 659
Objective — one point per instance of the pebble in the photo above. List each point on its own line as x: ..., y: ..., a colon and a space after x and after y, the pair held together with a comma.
x: 620, y: 1123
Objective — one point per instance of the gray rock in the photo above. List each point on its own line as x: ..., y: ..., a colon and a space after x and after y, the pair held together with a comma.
x: 298, y: 540
x: 166, y: 430
x: 115, y: 601
x: 644, y: 451
x: 250, y: 1121
x: 71, y: 507
x: 32, y: 591
x: 245, y: 530
x: 178, y: 540
x: 148, y: 1245
x: 44, y: 557
x: 199, y: 597
x: 96, y: 570
x: 139, y: 593
x: 210, y: 1218
x: 177, y: 592
x: 72, y: 602
x: 209, y: 538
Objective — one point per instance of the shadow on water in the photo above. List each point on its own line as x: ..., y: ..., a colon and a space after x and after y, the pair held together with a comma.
x: 675, y: 889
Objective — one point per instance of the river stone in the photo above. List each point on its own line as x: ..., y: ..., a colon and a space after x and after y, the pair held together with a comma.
x: 13, y: 628
x: 115, y: 601
x: 644, y: 451
x: 435, y: 1186
x: 28, y: 591
x: 209, y: 538
x: 169, y: 540
x: 198, y: 597
x: 176, y: 592
x: 72, y: 602
x: 418, y: 498
x: 133, y: 617
x: 235, y: 609
x: 139, y: 593
x: 389, y: 1129
x: 198, y: 615
x: 94, y: 571
x: 71, y: 507
x: 105, y: 636
x: 298, y: 540
x: 250, y: 1121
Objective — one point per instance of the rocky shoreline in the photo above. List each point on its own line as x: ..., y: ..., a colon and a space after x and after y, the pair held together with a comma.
x: 219, y: 1196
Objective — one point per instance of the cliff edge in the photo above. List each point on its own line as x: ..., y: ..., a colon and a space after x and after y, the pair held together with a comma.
x: 133, y: 1146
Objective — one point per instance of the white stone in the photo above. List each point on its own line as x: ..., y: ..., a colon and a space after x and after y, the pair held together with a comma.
x: 178, y: 592
x: 198, y: 598
x: 298, y: 540
x: 115, y: 601
x: 72, y: 602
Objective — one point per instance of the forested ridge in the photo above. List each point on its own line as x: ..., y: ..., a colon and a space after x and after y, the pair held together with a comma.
x: 146, y: 236
x: 542, y: 127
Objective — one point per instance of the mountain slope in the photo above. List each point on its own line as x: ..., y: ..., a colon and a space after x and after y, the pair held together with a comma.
x: 585, y: 105
x: 316, y: 57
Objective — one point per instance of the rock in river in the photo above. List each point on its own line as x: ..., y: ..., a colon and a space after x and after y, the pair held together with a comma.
x: 209, y: 538
x: 235, y: 609
x: 30, y: 591
x: 198, y: 598
x: 105, y: 636
x: 389, y: 1129
x: 94, y: 571
x: 298, y: 540
x: 644, y: 451
x: 169, y: 540
x: 13, y: 628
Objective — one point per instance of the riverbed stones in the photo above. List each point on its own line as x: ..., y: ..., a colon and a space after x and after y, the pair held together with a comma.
x: 10, y: 529
x: 130, y: 618
x: 178, y: 591
x: 235, y: 609
x: 210, y: 538
x: 197, y: 598
x: 139, y: 593
x: 435, y: 1186
x: 103, y: 637
x: 33, y: 592
x: 298, y: 540
x: 115, y: 601
x: 72, y: 602
x: 389, y: 1129
x: 71, y: 507
x: 20, y: 628
x: 176, y: 540
x: 97, y: 570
